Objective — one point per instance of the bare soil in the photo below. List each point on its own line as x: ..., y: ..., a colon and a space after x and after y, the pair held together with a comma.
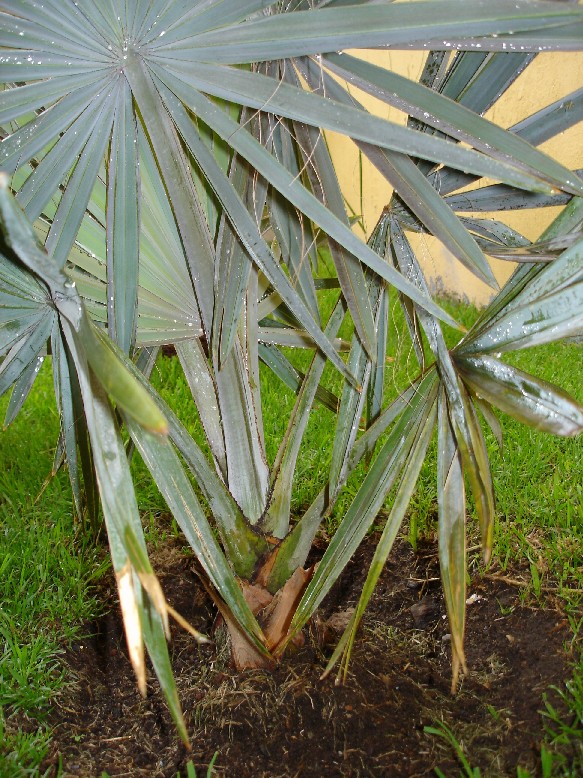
x: 291, y: 723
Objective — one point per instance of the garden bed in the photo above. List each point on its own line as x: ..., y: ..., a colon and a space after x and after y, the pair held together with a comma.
x: 291, y: 723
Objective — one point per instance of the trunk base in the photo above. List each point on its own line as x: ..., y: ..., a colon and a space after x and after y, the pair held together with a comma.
x: 274, y: 614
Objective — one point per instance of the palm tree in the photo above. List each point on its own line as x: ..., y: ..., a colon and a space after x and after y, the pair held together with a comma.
x: 167, y: 182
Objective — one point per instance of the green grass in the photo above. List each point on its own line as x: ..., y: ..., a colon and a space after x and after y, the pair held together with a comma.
x: 564, y: 727
x: 545, y: 523
x: 441, y: 730
x: 46, y: 572
x: 47, y: 567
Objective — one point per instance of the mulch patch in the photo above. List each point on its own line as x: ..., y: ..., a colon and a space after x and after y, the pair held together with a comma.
x: 291, y: 723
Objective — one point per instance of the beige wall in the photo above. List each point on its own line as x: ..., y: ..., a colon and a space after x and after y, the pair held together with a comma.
x: 548, y: 78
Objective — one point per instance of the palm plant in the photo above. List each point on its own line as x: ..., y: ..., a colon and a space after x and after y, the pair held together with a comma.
x: 167, y: 182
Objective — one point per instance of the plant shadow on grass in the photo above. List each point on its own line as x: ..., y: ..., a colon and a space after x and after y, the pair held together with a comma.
x: 291, y: 723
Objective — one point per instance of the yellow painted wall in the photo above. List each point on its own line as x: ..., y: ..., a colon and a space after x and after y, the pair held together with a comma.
x: 549, y: 77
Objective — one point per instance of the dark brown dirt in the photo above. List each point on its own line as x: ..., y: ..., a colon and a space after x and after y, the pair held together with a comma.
x: 290, y: 723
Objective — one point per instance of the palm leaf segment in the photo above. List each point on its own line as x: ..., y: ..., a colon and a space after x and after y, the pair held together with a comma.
x: 145, y: 143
